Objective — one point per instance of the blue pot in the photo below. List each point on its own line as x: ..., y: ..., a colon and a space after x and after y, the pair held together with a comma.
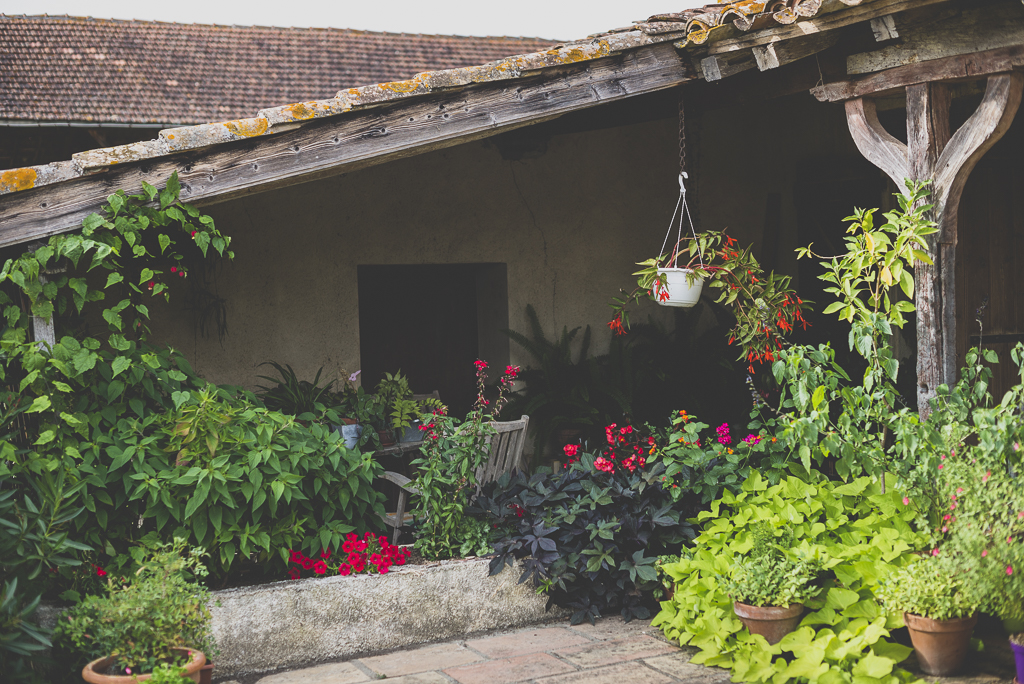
x: 412, y: 433
x: 350, y: 433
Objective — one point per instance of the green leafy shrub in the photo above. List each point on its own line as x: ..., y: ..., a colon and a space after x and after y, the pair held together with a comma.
x: 453, y: 453
x: 931, y: 588
x: 590, y: 537
x: 768, y: 576
x: 35, y: 521
x: 134, y: 427
x: 140, y: 621
x: 290, y: 395
x: 854, y: 531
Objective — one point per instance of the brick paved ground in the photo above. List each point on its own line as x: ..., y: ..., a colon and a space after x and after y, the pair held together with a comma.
x: 610, y: 652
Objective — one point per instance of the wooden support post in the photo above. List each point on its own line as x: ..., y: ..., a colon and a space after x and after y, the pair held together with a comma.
x: 946, y: 161
x: 43, y: 329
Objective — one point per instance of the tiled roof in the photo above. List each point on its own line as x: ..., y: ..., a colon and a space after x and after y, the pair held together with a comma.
x: 99, y: 70
x: 683, y: 29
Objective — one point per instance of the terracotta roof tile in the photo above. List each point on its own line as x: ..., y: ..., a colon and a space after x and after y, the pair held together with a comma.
x: 97, y: 70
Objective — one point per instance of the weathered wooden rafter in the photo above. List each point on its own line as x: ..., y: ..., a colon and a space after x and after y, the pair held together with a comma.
x: 946, y: 161
x: 344, y: 143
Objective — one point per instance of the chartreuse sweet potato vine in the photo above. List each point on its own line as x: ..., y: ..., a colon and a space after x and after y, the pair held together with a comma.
x: 855, y: 532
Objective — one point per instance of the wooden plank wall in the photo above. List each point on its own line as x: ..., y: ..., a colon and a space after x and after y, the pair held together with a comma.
x: 990, y: 256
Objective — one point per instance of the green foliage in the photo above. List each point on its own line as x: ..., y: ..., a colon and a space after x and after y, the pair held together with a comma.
x: 139, y: 622
x: 35, y: 520
x: 853, y: 531
x: 768, y: 576
x: 453, y: 453
x: 762, y: 303
x: 238, y: 478
x: 931, y: 588
x: 131, y: 429
x: 296, y: 397
x: 396, y: 408
x: 166, y: 673
x: 559, y: 392
x: 587, y: 537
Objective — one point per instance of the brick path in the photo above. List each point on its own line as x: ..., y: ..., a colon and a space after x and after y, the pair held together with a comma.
x: 610, y: 652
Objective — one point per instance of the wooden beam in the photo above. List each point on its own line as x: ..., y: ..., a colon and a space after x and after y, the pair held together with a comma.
x: 344, y: 143
x: 948, y: 69
x: 819, y: 24
x: 874, y: 142
x: 973, y: 30
x: 931, y: 154
x: 927, y: 135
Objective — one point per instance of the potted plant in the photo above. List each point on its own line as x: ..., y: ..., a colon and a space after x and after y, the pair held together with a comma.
x: 938, y: 608
x: 156, y: 618
x: 764, y: 306
x: 396, y: 408
x: 768, y: 586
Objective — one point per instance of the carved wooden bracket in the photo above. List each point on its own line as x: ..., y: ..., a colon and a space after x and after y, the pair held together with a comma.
x: 931, y: 154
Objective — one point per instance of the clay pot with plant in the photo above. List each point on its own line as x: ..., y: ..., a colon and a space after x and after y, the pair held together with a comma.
x: 153, y: 627
x: 769, y: 586
x: 938, y: 608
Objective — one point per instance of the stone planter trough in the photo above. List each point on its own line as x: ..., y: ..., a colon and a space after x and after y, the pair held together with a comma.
x: 287, y: 624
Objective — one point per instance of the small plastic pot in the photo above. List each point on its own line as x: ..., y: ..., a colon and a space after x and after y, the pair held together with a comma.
x: 771, y: 622
x: 941, y: 645
x: 1018, y: 657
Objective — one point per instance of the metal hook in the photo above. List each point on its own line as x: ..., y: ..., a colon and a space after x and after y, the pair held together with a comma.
x: 682, y: 177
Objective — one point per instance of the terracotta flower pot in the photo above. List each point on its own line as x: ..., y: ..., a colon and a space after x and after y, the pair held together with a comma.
x: 386, y: 437
x: 771, y: 622
x: 93, y: 672
x: 940, y: 645
x: 206, y: 673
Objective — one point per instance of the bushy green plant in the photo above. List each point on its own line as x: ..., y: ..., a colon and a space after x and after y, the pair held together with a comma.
x: 931, y: 588
x: 141, y: 620
x: 166, y: 673
x: 453, y: 453
x: 35, y: 521
x: 134, y: 427
x: 854, y: 531
x: 768, y: 575
x: 590, y: 535
x: 300, y: 398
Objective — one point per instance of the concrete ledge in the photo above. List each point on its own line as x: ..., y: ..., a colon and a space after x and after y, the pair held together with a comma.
x: 300, y: 622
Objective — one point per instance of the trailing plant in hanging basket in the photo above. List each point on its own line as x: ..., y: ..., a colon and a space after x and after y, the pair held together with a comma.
x: 765, y: 307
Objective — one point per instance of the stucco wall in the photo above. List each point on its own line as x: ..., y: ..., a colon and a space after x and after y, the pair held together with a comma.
x: 570, y: 223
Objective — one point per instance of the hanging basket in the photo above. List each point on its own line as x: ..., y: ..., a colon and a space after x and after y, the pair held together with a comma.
x: 682, y: 293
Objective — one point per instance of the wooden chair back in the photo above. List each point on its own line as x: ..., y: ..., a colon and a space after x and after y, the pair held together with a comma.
x: 506, y: 447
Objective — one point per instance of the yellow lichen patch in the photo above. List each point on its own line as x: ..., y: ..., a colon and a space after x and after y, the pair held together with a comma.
x: 303, y: 110
x: 16, y: 180
x: 401, y: 86
x: 247, y: 128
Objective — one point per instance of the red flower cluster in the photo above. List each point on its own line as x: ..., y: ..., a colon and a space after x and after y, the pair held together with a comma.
x: 571, y: 451
x: 626, y: 447
x: 368, y: 554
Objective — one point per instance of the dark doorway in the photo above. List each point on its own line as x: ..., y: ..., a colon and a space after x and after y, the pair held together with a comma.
x: 432, y: 322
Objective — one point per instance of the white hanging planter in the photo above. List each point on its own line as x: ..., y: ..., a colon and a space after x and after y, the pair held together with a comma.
x: 681, y: 292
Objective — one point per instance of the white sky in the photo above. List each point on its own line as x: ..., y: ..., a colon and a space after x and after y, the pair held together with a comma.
x: 561, y: 19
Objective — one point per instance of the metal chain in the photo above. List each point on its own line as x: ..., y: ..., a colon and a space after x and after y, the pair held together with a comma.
x: 682, y: 135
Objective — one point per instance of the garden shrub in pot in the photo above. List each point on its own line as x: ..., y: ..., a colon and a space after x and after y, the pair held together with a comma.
x: 154, y: 617
x: 591, y: 534
x: 853, y: 531
x: 769, y: 587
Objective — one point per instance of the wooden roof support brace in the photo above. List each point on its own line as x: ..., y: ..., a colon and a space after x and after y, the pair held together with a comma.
x: 947, y: 161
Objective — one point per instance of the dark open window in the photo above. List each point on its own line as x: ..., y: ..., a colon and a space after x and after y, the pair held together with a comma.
x: 431, y: 322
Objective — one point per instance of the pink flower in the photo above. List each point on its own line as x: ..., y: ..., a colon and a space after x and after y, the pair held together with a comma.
x: 988, y: 474
x: 945, y: 529
x: 947, y: 516
x: 603, y: 464
x: 952, y: 506
x: 1009, y: 570
x: 906, y: 501
x: 959, y: 490
x: 127, y: 670
x: 984, y: 553
x: 940, y: 466
x: 942, y: 458
x: 935, y: 552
